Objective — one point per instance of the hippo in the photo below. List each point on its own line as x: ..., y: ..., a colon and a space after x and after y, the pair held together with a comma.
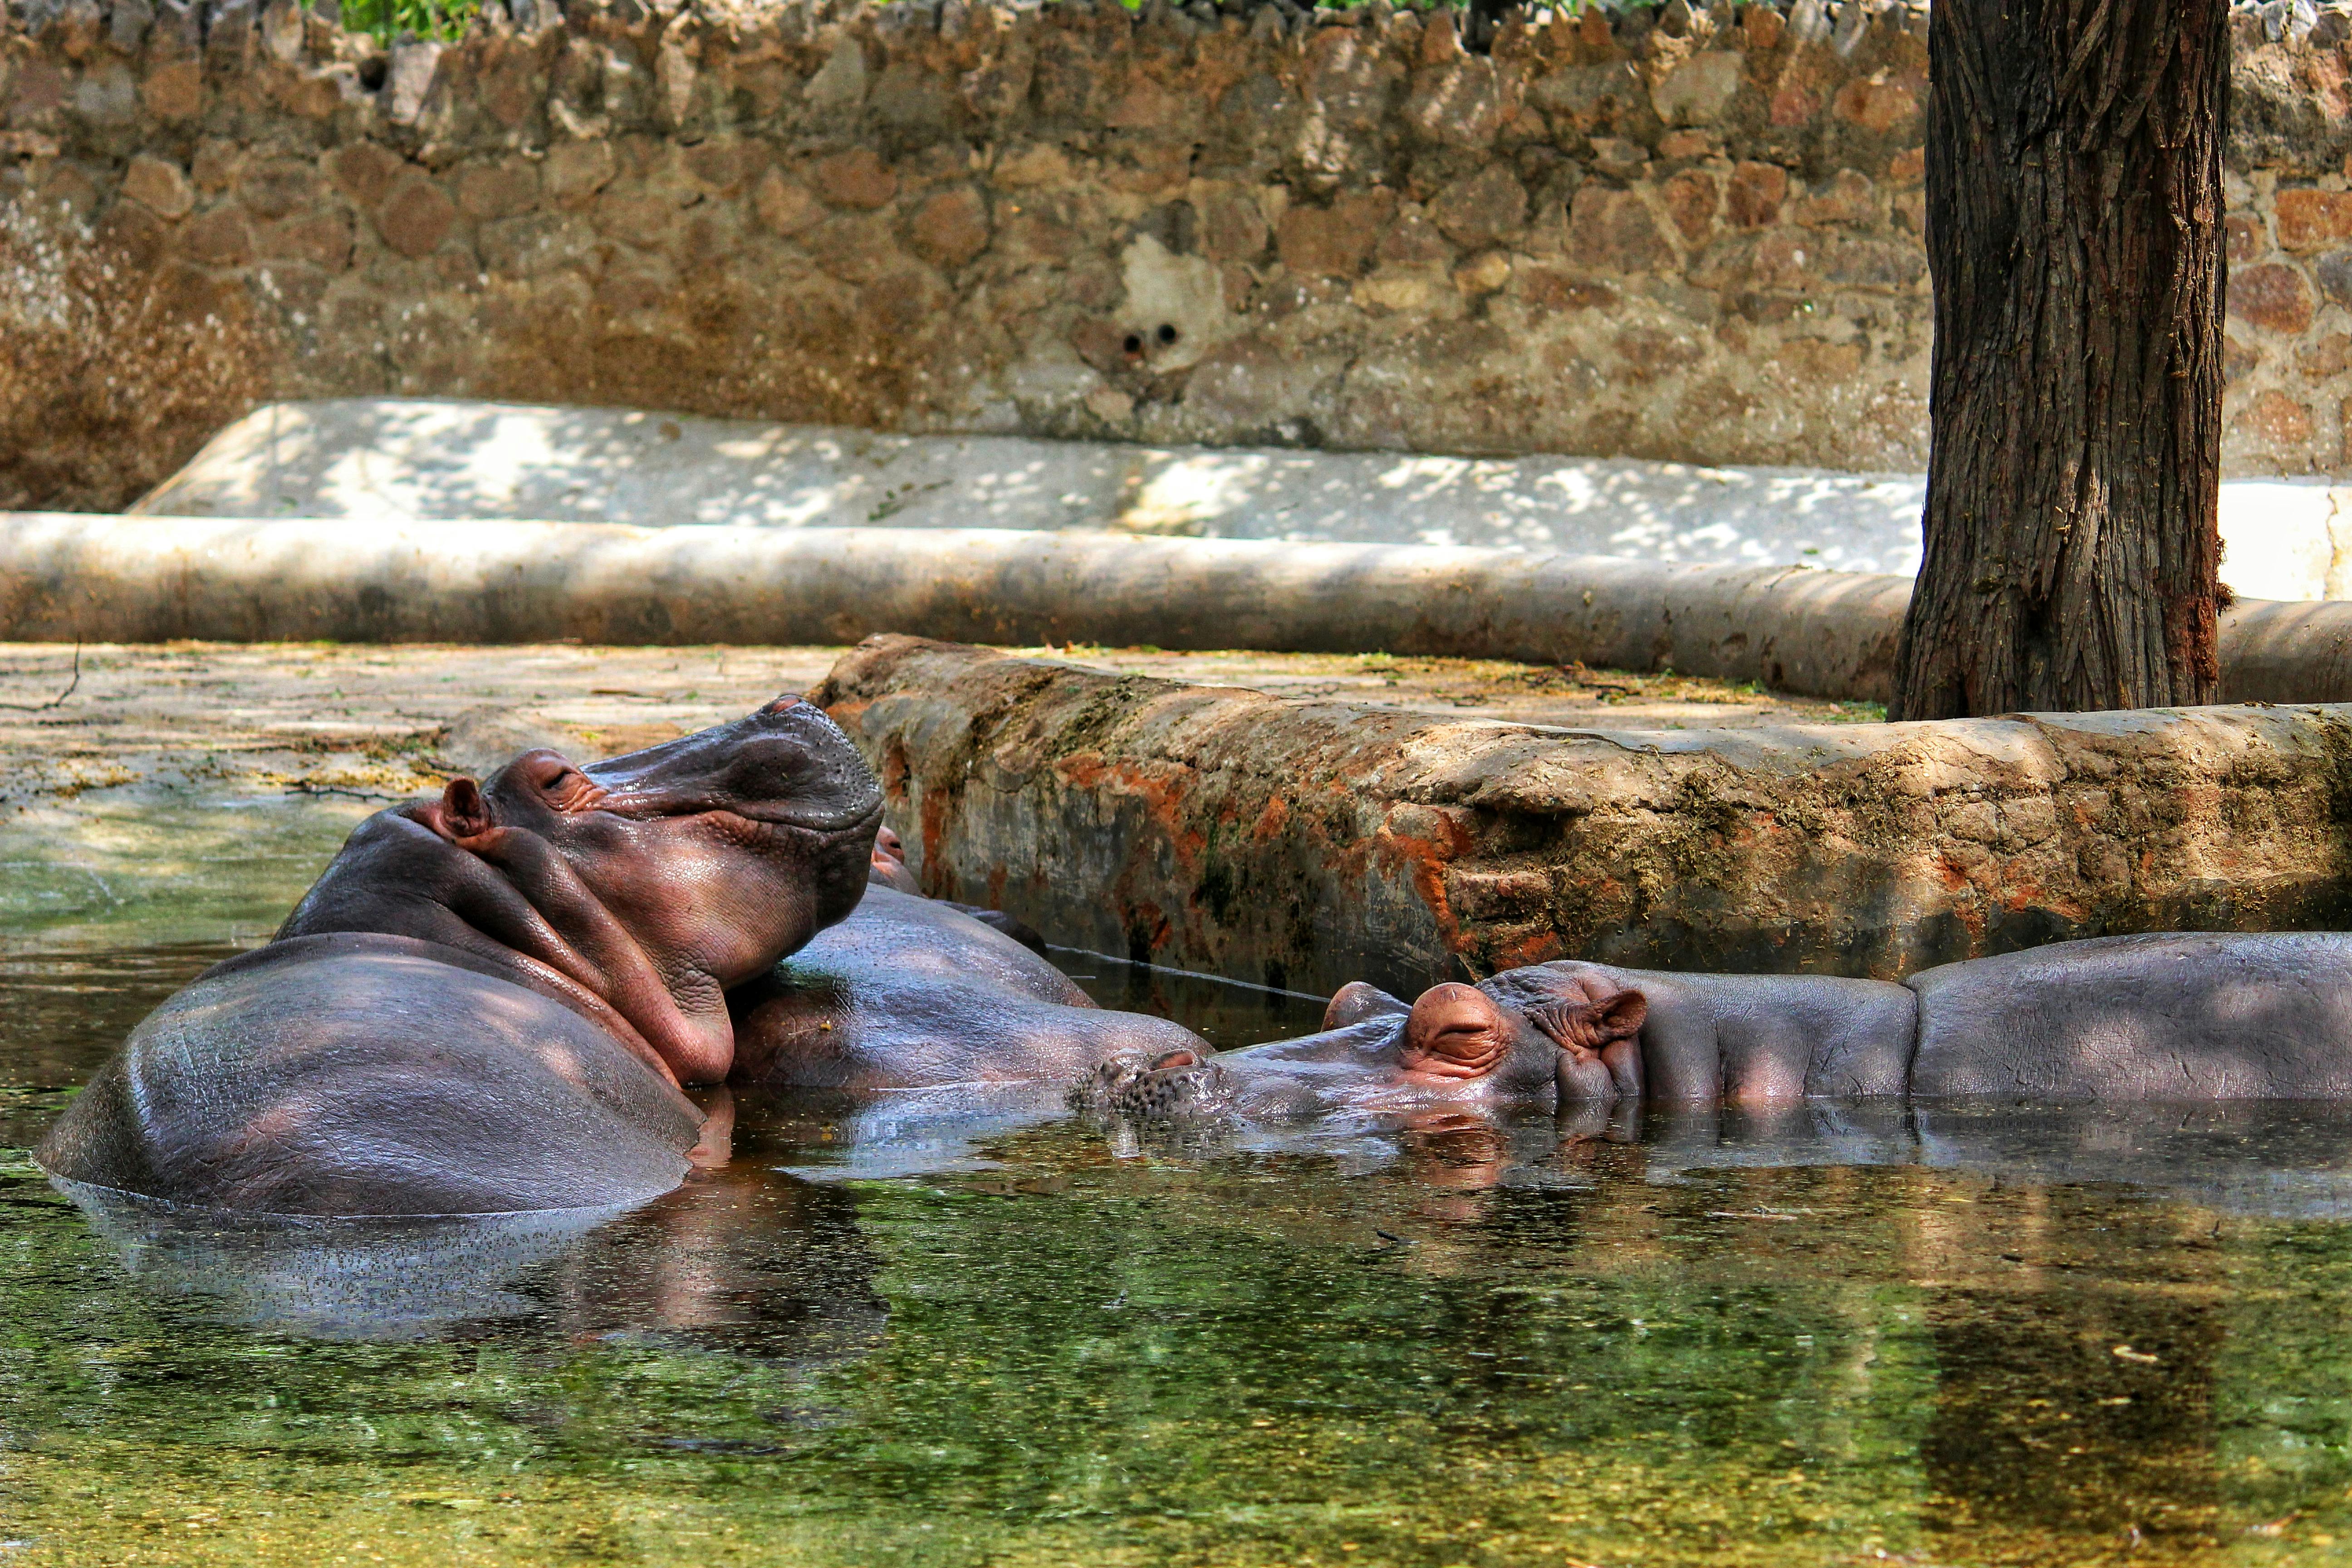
x: 2163, y: 1016
x: 1456, y: 1048
x: 489, y: 1001
x: 890, y: 871
x: 911, y: 992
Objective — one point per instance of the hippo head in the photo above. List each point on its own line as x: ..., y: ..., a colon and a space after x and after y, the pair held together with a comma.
x: 1455, y: 1043
x: 653, y: 882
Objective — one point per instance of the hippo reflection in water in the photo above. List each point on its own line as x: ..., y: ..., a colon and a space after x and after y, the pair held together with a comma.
x: 489, y: 1001
x: 2172, y: 1016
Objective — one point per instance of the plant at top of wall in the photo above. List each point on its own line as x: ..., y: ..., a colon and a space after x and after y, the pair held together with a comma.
x: 389, y: 21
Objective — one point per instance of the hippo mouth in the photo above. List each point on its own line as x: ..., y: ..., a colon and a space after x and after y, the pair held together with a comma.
x: 787, y: 766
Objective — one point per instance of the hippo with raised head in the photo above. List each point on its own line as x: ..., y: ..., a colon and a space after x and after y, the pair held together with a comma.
x: 489, y: 1001
x: 2168, y: 1017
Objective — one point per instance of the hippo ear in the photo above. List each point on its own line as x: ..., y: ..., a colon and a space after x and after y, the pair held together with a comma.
x: 1359, y: 1000
x: 461, y: 811
x: 1587, y: 1026
x: 1621, y: 1017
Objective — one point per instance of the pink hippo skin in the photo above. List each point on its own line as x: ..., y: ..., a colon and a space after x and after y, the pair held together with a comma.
x: 489, y: 1001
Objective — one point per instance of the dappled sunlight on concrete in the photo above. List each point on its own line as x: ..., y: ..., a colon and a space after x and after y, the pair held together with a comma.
x: 396, y: 459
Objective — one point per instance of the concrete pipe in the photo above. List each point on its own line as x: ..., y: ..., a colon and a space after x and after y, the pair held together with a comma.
x: 114, y: 579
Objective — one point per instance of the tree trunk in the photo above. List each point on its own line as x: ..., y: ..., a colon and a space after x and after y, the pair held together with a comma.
x: 2075, y: 240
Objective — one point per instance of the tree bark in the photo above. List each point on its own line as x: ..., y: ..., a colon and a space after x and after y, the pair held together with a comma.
x: 2074, y: 242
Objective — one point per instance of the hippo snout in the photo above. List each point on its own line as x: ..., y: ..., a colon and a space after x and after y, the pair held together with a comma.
x: 1148, y: 1086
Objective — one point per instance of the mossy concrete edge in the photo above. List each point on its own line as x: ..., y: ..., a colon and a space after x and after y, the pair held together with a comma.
x: 1305, y: 844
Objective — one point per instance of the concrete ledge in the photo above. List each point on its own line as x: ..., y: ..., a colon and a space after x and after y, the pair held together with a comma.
x: 1306, y: 843
x: 65, y: 575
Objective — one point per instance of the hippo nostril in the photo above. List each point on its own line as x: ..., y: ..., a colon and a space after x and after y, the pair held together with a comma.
x: 1174, y: 1059
x: 790, y: 699
x: 1134, y: 344
x: 1167, y: 333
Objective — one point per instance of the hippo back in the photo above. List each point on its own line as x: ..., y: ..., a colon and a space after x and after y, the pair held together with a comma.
x: 363, y: 1074
x: 2190, y: 1016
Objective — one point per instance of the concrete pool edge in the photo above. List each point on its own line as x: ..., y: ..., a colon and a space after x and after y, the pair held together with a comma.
x: 1303, y: 843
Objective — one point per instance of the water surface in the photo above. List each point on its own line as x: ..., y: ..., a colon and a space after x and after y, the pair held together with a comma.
x: 1957, y: 1335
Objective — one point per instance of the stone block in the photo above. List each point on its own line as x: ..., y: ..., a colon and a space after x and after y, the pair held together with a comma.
x: 1483, y: 274
x: 950, y: 227
x: 2333, y: 273
x: 1232, y: 224
x: 2280, y: 422
x: 158, y: 184
x: 1691, y: 198
x: 1846, y: 198
x: 416, y: 217
x: 107, y: 95
x: 1482, y: 208
x: 1334, y: 241
x: 2309, y: 220
x: 1614, y: 229
x: 856, y: 178
x: 1876, y: 104
x: 575, y: 171
x: 2330, y: 356
x: 2274, y: 296
x: 218, y: 239
x: 2244, y: 238
x: 1558, y: 288
x: 1699, y: 90
x: 1757, y: 191
x: 215, y: 166
x: 783, y: 206
x: 324, y: 239
x: 363, y: 171
x: 273, y: 187
x: 1457, y: 104
x: 505, y: 189
x: 173, y: 89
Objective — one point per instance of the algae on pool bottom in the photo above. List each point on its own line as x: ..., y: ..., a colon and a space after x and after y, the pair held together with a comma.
x: 1454, y: 1343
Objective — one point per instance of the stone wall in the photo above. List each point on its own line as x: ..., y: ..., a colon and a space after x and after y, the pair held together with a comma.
x: 1682, y: 234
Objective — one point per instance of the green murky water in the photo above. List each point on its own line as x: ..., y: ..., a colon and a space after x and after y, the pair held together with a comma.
x: 1960, y: 1336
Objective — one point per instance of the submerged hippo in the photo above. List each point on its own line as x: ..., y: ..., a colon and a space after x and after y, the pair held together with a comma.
x: 2177, y: 1017
x: 489, y: 1001
x: 911, y: 992
x: 1457, y: 1047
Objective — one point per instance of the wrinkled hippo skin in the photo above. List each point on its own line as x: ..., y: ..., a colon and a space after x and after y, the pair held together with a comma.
x: 2174, y: 1016
x: 2192, y: 1016
x: 913, y: 992
x: 489, y: 1001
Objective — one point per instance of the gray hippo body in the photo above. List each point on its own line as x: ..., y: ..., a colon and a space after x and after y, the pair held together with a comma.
x: 487, y: 1003
x: 911, y: 992
x: 2170, y: 1016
